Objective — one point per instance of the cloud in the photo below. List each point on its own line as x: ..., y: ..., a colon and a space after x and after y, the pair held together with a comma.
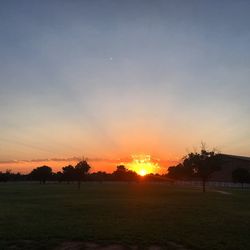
x: 70, y: 159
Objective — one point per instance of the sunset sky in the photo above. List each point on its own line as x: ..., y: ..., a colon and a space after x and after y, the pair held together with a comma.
x: 110, y: 79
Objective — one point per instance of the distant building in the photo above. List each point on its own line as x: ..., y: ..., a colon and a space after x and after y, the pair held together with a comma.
x: 229, y: 164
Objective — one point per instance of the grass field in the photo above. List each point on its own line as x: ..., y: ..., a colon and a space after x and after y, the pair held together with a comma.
x: 34, y: 216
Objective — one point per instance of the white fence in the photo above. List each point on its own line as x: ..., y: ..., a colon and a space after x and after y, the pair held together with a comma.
x: 212, y: 184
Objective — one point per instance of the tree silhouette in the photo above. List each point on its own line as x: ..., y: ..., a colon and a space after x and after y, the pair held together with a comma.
x: 6, y: 176
x: 100, y: 176
x: 123, y: 174
x: 41, y: 174
x: 69, y: 173
x: 59, y: 176
x: 81, y: 169
x: 202, y: 165
x: 179, y: 172
x: 241, y: 175
x: 120, y: 173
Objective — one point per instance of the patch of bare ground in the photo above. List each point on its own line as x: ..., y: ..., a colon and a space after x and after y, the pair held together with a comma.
x: 93, y: 246
x: 176, y: 246
x: 223, y: 192
x: 71, y: 245
x: 155, y: 248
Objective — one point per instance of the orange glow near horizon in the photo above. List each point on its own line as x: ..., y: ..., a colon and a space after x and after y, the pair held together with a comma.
x: 143, y: 165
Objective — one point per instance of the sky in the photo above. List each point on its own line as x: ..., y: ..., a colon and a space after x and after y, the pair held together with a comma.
x: 109, y: 79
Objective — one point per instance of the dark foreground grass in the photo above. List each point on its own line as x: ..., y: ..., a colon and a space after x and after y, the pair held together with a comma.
x: 34, y: 216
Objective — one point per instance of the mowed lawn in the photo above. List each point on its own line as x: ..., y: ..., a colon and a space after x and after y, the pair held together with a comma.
x: 34, y: 216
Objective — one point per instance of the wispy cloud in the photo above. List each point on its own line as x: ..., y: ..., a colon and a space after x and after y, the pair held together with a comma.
x: 77, y: 158
x: 69, y: 159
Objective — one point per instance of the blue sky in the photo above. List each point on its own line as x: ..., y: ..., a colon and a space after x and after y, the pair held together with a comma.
x: 114, y: 78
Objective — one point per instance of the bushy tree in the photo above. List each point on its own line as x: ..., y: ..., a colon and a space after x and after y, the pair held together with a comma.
x: 202, y: 165
x: 179, y: 172
x: 123, y: 174
x: 59, y: 176
x: 197, y: 165
x: 100, y: 176
x: 119, y: 173
x: 68, y: 173
x: 41, y: 174
x: 241, y: 175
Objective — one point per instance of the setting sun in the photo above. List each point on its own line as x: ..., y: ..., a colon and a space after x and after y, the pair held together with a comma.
x: 142, y: 172
x: 142, y: 164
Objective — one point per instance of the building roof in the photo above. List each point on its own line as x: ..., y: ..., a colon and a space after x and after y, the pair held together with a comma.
x: 244, y: 158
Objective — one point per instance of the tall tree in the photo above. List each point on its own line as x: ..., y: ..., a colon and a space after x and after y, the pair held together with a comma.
x: 81, y: 170
x: 202, y: 165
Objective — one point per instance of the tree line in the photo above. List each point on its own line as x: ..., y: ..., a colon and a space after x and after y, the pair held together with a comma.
x: 196, y: 165
x: 78, y: 174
